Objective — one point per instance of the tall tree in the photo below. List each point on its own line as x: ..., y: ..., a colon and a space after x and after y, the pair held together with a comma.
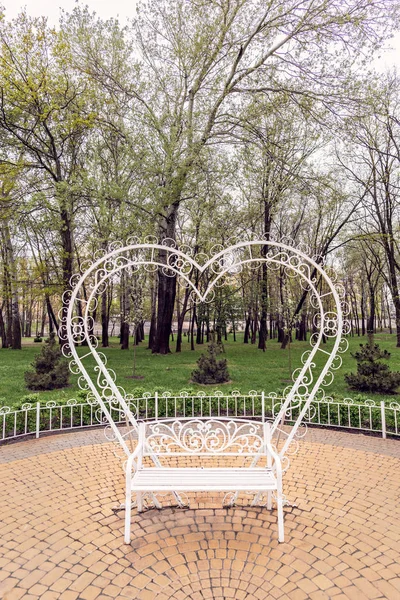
x: 44, y: 117
x: 8, y: 205
x: 197, y: 60
x: 278, y: 140
x: 374, y: 166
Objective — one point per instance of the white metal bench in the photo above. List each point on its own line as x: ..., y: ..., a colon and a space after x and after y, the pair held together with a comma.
x: 170, y: 441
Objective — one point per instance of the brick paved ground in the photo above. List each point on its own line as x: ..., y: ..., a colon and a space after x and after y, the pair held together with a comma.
x: 61, y: 538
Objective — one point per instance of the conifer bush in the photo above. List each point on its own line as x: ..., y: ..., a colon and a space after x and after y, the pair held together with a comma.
x: 210, y: 370
x: 372, y: 374
x: 51, y: 370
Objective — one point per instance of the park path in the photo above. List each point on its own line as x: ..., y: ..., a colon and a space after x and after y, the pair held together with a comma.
x: 62, y: 531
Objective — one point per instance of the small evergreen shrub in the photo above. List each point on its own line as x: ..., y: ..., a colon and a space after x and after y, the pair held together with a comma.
x: 210, y: 370
x: 51, y: 370
x: 37, y: 339
x: 373, y: 375
x: 30, y: 399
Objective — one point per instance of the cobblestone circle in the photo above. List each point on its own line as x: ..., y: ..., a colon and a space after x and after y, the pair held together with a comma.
x: 62, y: 530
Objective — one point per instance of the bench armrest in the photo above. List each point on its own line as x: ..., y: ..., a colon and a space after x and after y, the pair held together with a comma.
x: 270, y: 451
x: 138, y: 453
x: 131, y: 462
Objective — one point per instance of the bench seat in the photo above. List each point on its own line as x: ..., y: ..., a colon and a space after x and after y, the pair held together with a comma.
x: 203, y: 439
x: 204, y: 479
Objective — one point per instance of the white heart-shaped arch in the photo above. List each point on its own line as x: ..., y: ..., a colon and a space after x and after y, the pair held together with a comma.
x: 76, y: 326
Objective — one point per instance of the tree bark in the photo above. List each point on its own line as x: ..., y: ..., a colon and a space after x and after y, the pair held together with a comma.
x: 362, y: 309
x: 10, y: 267
x: 394, y: 288
x: 166, y: 287
x: 153, y: 318
x: 104, y: 319
x: 247, y: 329
x: 192, y: 327
x: 372, y: 310
x: 125, y: 312
x: 181, y: 320
x: 53, y: 323
x: 263, y: 332
x: 303, y: 328
x: 67, y: 257
x: 2, y: 330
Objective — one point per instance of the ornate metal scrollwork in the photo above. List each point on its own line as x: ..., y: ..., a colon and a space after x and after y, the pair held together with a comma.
x: 327, y: 297
x: 213, y: 436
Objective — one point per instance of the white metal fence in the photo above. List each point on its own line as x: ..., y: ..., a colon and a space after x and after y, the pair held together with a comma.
x: 34, y: 419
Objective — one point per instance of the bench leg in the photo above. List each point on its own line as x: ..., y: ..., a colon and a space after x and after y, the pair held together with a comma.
x: 139, y: 501
x: 281, y: 531
x: 156, y: 501
x: 269, y: 500
x: 128, y: 503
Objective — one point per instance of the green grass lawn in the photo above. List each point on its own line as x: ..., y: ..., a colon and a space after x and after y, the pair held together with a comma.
x: 249, y: 369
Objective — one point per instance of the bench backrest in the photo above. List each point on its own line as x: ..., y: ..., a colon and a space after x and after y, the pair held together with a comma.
x: 199, y: 437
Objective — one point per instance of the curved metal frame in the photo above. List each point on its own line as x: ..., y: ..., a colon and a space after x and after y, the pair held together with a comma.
x: 226, y: 262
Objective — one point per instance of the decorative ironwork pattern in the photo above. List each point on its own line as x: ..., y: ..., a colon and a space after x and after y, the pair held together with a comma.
x: 36, y: 418
x: 327, y: 297
x: 198, y: 437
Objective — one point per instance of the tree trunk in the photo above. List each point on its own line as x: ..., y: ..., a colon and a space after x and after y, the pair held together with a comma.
x: 198, y: 332
x: 10, y: 266
x: 287, y: 337
x: 29, y: 314
x: 165, y: 310
x: 247, y: 330
x: 53, y: 323
x: 104, y: 319
x: 92, y: 323
x: 280, y: 329
x: 153, y: 319
x: 2, y: 330
x: 254, y: 328
x: 389, y: 315
x: 372, y: 309
x: 66, y: 258
x: 125, y: 312
x: 141, y: 330
x: 271, y: 326
x: 166, y: 287
x: 124, y: 336
x: 43, y: 320
x: 362, y: 309
x: 263, y: 332
x: 383, y: 311
x: 394, y: 288
x: 303, y: 328
x: 181, y: 320
x: 23, y: 311
x: 193, y: 321
x: 255, y: 315
x: 356, y: 316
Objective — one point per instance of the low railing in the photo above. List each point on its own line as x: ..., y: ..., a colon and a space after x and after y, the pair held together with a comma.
x: 369, y: 416
x: 35, y: 419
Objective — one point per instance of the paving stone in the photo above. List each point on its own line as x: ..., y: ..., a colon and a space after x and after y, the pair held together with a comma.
x: 62, y: 539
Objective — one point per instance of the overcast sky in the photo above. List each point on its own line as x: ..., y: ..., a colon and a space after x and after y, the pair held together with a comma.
x: 51, y: 8
x: 123, y: 9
